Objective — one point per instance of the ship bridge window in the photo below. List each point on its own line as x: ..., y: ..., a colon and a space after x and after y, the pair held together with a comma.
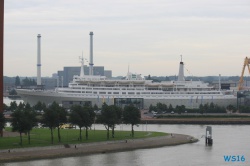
x: 75, y: 91
x: 131, y: 93
x: 76, y: 88
x: 109, y: 93
x: 102, y: 92
x: 116, y: 93
x: 124, y: 93
x: 88, y: 91
x: 156, y: 92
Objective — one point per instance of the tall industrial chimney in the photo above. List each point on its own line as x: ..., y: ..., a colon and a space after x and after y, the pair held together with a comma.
x: 39, y: 82
x: 91, y: 54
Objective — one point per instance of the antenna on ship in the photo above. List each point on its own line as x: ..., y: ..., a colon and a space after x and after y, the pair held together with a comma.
x: 127, y: 73
x: 82, y: 65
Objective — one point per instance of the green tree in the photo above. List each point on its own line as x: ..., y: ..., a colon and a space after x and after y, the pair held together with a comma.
x: 61, y: 117
x: 104, y: 118
x: 33, y: 82
x: 28, y: 82
x: 231, y: 108
x: 50, y: 119
x: 201, y: 107
x: 17, y: 81
x: 178, y: 109
x: 39, y: 106
x: 5, y: 107
x: 131, y: 115
x: 151, y: 108
x: 13, y: 92
x: 75, y: 118
x: 13, y: 106
x: 2, y: 123
x: 30, y: 114
x: 211, y: 106
x: 110, y: 116
x: 95, y: 107
x: 88, y: 118
x: 19, y: 123
x: 21, y: 106
x: 116, y: 117
x: 82, y: 117
x: 25, y: 81
x: 170, y: 107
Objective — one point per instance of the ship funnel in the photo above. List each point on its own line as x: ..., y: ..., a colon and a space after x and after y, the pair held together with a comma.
x: 91, y: 54
x: 181, y: 71
x: 39, y: 82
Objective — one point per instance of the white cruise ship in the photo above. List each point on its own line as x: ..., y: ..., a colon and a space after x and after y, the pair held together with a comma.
x: 133, y: 89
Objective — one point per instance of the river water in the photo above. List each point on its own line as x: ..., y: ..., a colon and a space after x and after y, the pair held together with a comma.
x: 228, y: 140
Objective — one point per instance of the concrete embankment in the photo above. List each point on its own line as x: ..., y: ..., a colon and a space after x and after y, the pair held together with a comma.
x: 93, y: 148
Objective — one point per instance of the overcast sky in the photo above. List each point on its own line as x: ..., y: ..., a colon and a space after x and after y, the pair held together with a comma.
x: 148, y: 35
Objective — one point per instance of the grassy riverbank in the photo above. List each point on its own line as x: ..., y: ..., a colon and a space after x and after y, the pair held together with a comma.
x: 41, y: 137
x: 94, y: 148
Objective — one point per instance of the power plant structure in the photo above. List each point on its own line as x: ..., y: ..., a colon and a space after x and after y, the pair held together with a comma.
x: 39, y: 81
x: 91, y: 54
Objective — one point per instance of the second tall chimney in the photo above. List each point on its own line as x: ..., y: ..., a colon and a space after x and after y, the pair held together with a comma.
x: 39, y: 82
x: 91, y: 54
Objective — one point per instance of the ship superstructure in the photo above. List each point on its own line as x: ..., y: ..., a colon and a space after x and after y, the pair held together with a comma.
x: 132, y: 89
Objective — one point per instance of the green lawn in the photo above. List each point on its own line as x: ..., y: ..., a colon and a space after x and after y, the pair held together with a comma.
x: 41, y: 137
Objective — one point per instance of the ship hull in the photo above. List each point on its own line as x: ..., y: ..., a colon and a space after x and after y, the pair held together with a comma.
x: 189, y: 101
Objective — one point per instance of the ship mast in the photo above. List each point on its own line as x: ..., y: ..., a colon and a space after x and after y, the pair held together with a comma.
x: 82, y: 66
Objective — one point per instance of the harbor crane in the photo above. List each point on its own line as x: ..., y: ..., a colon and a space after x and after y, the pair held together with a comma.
x: 241, y: 82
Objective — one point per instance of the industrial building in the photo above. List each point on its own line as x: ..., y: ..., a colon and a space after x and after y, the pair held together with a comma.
x: 66, y: 75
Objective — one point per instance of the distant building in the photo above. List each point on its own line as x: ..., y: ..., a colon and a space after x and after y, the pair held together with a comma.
x: 54, y: 75
x: 67, y: 74
x: 49, y: 82
x: 108, y: 73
